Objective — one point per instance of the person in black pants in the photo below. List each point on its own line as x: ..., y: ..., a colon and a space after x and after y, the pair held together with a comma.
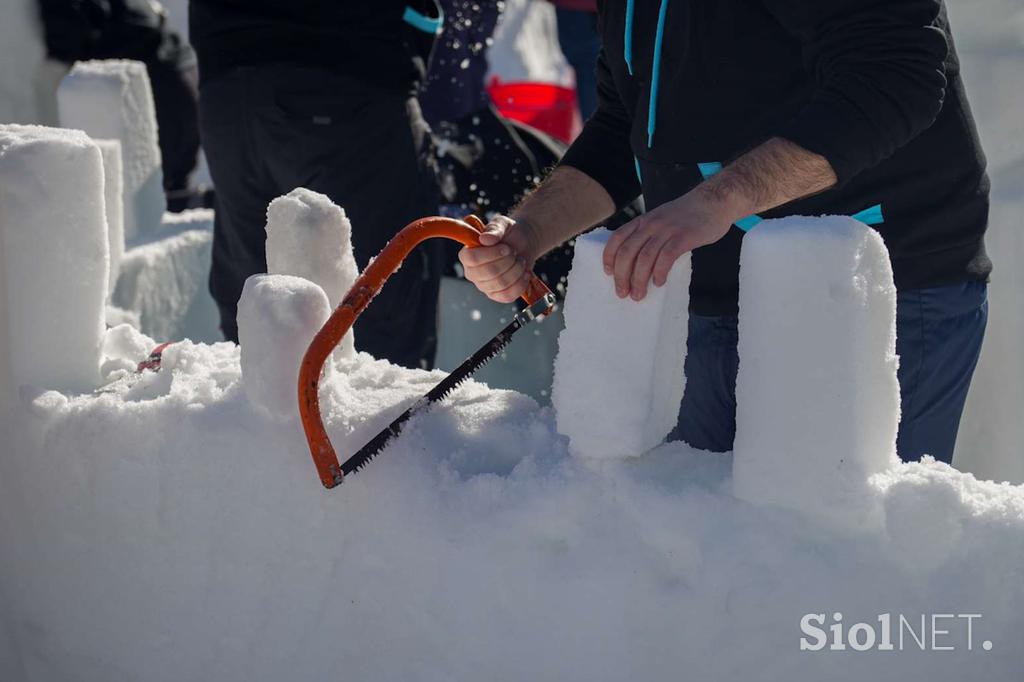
x: 320, y: 94
x: 137, y: 29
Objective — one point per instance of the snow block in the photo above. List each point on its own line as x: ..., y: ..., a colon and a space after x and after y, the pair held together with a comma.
x: 113, y: 201
x: 309, y: 236
x: 113, y: 100
x: 278, y: 316
x: 817, y: 396
x: 53, y: 257
x: 619, y: 370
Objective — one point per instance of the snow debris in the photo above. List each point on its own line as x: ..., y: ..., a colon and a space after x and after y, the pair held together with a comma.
x: 112, y: 99
x: 619, y: 371
x: 278, y: 316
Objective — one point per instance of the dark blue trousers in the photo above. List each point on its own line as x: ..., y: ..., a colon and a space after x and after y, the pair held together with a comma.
x: 939, y: 332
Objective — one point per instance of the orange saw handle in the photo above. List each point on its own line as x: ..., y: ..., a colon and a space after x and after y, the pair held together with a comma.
x: 366, y: 286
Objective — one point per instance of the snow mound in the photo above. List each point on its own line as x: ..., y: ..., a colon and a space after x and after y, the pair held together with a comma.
x: 53, y: 258
x: 817, y: 349
x: 309, y: 236
x: 112, y: 99
x: 278, y: 316
x: 619, y: 370
x: 169, y: 530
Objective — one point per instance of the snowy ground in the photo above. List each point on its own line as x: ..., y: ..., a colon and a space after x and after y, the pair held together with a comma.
x: 185, y: 537
x: 168, y: 529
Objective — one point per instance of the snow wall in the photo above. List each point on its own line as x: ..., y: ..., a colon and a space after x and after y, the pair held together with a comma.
x: 169, y: 528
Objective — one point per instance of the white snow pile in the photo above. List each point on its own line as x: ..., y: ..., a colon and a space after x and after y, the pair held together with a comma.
x: 627, y: 354
x: 112, y: 99
x: 168, y: 528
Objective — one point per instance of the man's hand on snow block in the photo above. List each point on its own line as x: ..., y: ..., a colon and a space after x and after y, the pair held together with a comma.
x: 650, y: 244
x: 769, y: 175
x: 501, y: 266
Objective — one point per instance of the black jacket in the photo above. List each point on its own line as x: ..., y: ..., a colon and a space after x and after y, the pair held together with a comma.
x: 872, y: 85
x: 370, y: 39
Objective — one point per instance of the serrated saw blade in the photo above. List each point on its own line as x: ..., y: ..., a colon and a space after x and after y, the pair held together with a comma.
x: 474, y: 362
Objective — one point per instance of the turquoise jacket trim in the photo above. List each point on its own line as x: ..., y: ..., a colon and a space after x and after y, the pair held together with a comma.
x: 652, y: 106
x: 627, y: 37
x: 422, y: 22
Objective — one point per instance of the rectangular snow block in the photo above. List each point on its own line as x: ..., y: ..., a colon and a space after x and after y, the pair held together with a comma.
x: 619, y: 371
x: 53, y: 257
x: 113, y: 100
x: 817, y: 395
x: 113, y: 202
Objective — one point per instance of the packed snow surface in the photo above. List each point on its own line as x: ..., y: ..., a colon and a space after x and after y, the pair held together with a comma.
x: 53, y: 258
x: 112, y: 99
x: 170, y: 531
x: 817, y: 347
x: 619, y: 370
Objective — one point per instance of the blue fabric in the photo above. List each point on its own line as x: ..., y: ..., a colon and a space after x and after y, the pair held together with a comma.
x: 870, y: 216
x: 422, y: 22
x: 652, y: 107
x: 627, y: 38
x: 939, y: 332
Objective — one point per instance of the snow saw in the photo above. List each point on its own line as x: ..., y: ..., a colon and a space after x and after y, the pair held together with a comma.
x: 539, y: 302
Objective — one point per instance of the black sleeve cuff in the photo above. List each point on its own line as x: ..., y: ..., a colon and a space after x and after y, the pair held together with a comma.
x: 605, y: 156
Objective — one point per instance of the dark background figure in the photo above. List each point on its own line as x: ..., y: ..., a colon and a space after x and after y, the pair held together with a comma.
x: 321, y: 94
x: 486, y: 162
x: 78, y: 30
x: 580, y: 43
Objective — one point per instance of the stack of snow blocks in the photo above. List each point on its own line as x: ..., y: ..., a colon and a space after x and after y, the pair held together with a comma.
x: 53, y: 259
x: 113, y: 100
x: 619, y: 371
x: 817, y: 393
x: 309, y: 236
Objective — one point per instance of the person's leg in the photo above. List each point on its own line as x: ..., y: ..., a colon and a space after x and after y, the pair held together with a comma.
x: 368, y: 150
x: 939, y: 333
x: 580, y: 42
x: 707, y: 415
x: 243, y: 193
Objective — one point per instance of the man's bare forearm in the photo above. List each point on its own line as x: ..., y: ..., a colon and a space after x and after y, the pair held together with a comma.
x: 565, y: 204
x: 772, y: 174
